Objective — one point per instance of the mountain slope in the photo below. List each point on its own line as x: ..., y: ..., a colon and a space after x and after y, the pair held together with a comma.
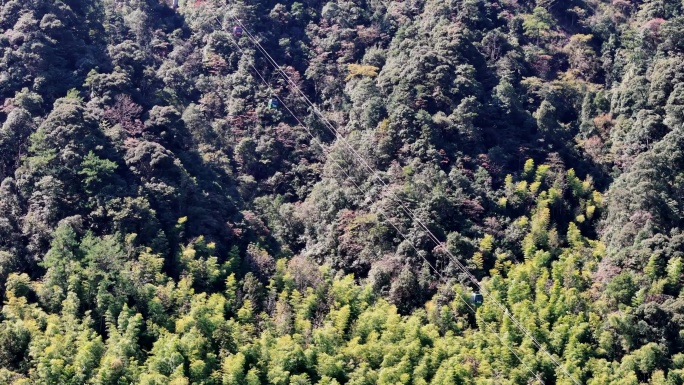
x: 161, y: 221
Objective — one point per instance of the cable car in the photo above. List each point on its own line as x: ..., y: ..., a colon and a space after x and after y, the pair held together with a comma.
x: 237, y: 31
x: 476, y: 299
x: 175, y: 4
x: 273, y: 103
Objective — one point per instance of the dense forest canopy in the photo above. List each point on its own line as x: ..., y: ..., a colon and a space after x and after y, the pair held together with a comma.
x: 291, y: 192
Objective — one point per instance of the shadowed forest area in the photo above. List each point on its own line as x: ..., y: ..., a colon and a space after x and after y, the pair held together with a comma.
x: 174, y: 211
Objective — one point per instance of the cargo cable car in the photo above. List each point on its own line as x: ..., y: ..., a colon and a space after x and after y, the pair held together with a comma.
x: 476, y: 299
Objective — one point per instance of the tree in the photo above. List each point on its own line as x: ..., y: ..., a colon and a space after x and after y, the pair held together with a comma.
x: 674, y: 109
x: 547, y: 120
x: 538, y: 25
x: 96, y: 171
x: 403, y: 290
x: 14, y: 140
x: 125, y: 113
x: 621, y: 289
x: 582, y: 58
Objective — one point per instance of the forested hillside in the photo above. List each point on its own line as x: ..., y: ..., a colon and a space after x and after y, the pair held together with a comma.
x: 175, y: 209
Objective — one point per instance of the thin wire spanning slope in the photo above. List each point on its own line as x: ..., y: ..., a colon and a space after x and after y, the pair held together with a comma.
x: 382, y: 212
x: 408, y: 211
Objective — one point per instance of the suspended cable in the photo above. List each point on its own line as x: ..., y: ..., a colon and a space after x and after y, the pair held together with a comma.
x: 380, y: 209
x: 431, y: 235
x: 410, y: 213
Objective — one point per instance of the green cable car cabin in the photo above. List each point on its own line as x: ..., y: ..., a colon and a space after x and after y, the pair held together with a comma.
x: 476, y: 299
